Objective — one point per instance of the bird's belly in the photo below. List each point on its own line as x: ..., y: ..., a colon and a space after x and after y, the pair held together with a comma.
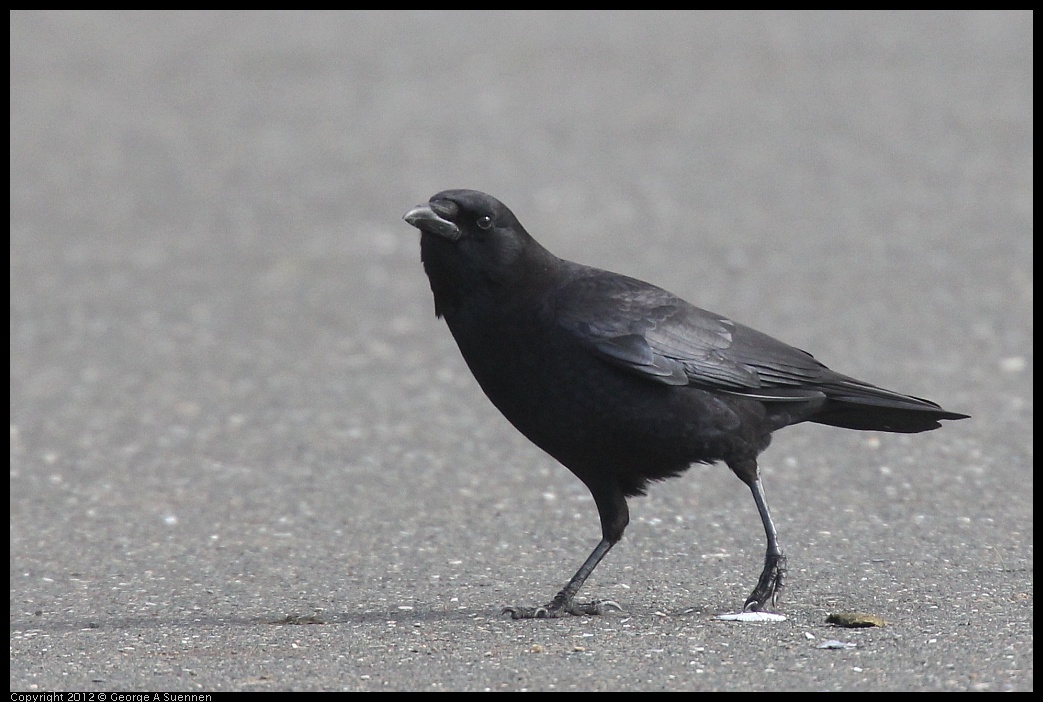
x: 584, y: 411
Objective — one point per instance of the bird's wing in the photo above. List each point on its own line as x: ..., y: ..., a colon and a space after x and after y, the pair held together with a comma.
x: 657, y: 335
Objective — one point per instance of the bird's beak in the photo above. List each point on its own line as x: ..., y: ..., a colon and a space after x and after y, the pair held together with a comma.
x: 426, y: 219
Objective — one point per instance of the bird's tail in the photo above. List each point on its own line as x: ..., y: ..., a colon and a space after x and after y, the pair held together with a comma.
x: 853, y: 404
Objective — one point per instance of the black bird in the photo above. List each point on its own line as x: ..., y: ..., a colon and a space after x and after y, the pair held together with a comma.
x: 623, y: 382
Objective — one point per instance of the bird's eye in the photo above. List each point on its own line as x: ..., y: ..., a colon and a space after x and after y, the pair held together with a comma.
x: 485, y: 222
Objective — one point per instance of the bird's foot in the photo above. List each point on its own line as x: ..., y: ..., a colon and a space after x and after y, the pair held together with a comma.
x: 769, y: 587
x: 561, y: 606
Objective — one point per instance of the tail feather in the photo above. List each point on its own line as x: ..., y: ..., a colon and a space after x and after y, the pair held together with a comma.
x: 853, y: 404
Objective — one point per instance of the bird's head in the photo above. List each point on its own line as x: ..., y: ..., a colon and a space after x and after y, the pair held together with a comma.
x: 462, y: 215
x: 471, y: 244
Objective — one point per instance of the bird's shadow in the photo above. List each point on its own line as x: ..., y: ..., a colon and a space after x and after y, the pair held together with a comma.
x: 365, y: 616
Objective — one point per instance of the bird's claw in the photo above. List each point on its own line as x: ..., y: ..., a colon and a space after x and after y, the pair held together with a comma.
x: 769, y: 587
x: 559, y: 608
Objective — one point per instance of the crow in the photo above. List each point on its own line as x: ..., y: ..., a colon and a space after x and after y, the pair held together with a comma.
x: 622, y: 382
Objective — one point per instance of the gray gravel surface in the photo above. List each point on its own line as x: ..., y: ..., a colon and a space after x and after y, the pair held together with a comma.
x: 245, y: 456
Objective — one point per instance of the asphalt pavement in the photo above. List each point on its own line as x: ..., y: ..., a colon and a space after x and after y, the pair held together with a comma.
x: 246, y: 456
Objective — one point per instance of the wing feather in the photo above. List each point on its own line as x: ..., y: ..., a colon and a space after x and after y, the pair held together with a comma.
x: 657, y: 335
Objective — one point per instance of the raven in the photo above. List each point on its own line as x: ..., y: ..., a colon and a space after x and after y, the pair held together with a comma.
x: 623, y: 382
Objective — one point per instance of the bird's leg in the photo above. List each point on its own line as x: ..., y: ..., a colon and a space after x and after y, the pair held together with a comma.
x: 612, y: 509
x: 565, y: 601
x: 769, y: 587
